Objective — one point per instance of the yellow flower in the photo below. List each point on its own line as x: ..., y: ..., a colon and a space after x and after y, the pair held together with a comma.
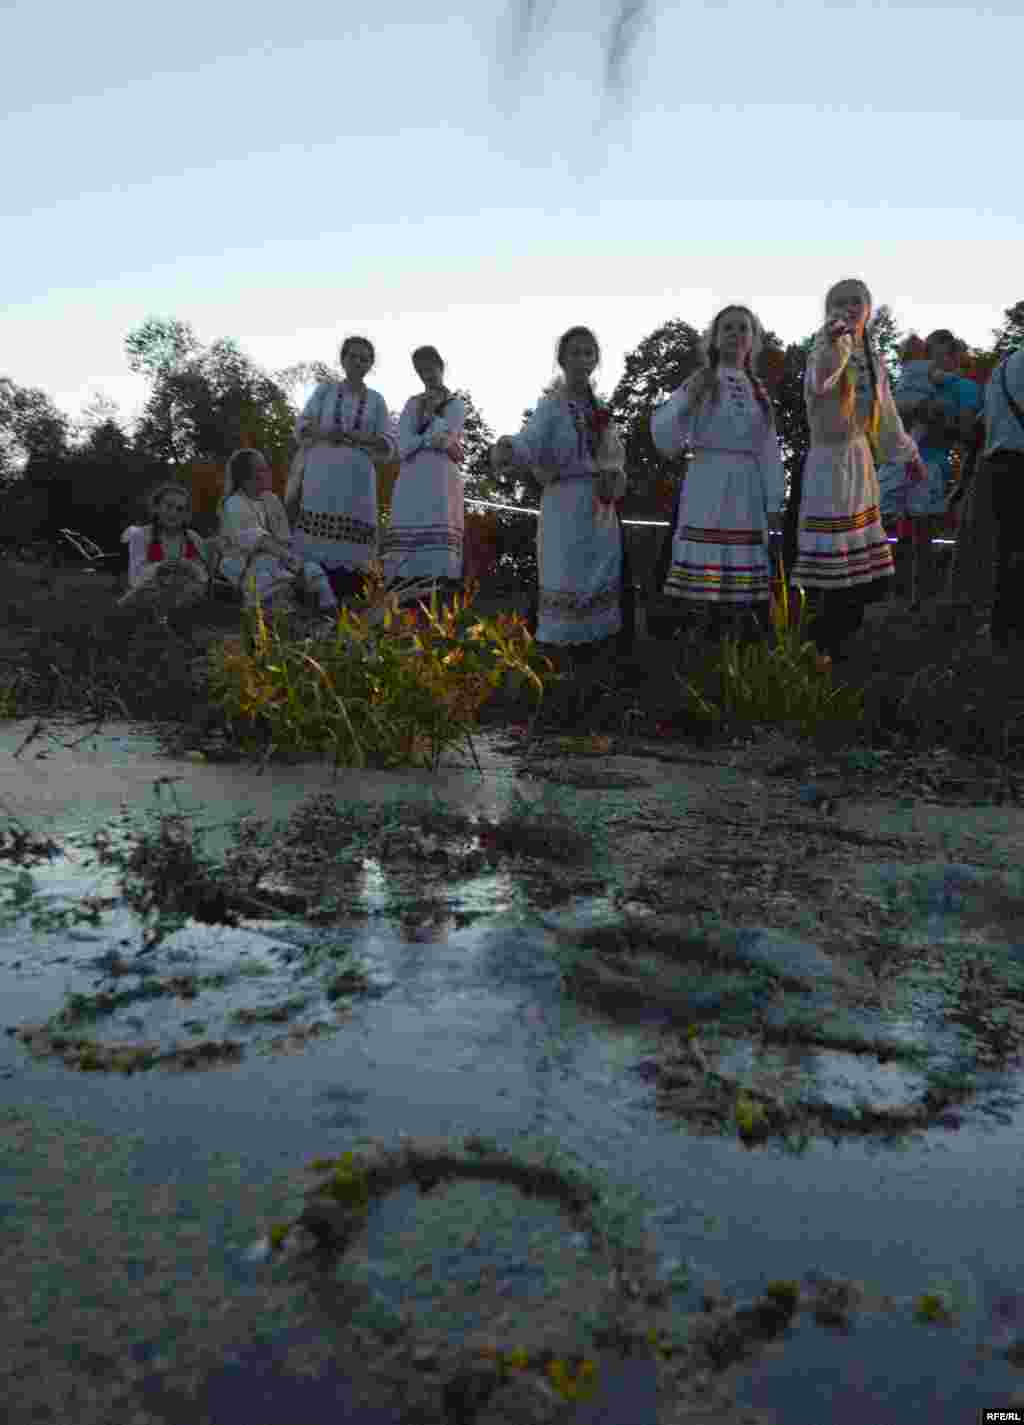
x: 931, y: 1308
x: 749, y: 1113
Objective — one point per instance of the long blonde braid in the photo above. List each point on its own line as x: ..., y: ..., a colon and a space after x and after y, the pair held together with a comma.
x: 848, y: 379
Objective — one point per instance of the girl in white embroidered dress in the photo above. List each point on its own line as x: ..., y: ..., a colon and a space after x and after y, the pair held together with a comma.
x: 343, y: 428
x: 577, y: 456
x: 842, y: 549
x: 424, y: 539
x: 256, y: 538
x: 720, y: 553
x: 167, y: 561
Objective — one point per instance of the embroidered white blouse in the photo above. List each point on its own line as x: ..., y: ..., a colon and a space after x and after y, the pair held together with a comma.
x: 734, y: 425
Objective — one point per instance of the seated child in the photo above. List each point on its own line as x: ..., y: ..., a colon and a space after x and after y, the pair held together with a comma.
x: 167, y: 561
x: 258, y: 554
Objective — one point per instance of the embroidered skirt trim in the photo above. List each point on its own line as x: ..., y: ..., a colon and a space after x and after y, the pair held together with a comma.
x: 339, y: 529
x: 841, y: 524
x: 694, y: 534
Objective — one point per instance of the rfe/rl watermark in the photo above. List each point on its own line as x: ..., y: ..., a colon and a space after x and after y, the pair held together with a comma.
x: 1001, y: 1415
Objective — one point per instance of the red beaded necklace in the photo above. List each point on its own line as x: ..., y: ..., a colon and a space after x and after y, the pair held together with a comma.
x: 591, y: 423
x: 360, y: 409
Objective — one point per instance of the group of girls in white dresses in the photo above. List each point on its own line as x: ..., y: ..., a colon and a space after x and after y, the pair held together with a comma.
x: 332, y: 490
x: 720, y: 556
x: 840, y: 554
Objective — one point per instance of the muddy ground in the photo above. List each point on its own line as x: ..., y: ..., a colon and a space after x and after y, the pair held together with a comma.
x: 887, y: 868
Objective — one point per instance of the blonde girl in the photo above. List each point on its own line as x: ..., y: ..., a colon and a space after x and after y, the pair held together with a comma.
x: 843, y: 555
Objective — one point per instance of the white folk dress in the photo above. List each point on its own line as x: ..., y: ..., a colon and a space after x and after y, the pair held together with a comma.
x: 720, y: 551
x: 243, y: 523
x: 147, y: 557
x: 841, y: 542
x: 424, y: 539
x: 579, y: 550
x: 336, y: 525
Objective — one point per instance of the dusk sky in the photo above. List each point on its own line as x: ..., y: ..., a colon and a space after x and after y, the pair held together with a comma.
x: 286, y: 176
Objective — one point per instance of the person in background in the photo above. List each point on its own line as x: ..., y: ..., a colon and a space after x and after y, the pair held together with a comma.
x: 939, y: 408
x: 843, y: 555
x: 1002, y: 467
x: 332, y: 490
x: 425, y: 536
x: 720, y: 558
x: 256, y: 540
x: 167, y: 560
x: 575, y: 452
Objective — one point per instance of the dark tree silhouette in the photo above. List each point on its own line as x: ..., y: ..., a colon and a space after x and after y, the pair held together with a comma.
x: 204, y: 401
x: 1010, y: 335
x: 653, y: 370
x: 31, y: 429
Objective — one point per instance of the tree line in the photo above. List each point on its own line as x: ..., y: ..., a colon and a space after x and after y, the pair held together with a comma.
x: 205, y: 401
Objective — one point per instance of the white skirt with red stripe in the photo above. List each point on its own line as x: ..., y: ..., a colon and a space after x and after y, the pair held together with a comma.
x: 720, y: 546
x: 840, y: 541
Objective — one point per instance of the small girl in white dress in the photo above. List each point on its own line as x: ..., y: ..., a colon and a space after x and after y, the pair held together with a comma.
x: 575, y: 452
x: 167, y: 561
x: 735, y: 481
x: 258, y: 554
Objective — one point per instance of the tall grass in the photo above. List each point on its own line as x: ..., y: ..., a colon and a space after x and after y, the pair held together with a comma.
x: 782, y: 680
x: 384, y: 688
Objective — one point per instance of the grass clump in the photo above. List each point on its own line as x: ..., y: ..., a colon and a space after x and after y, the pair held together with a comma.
x: 387, y: 688
x: 783, y: 681
x: 783, y: 1294
x: 751, y: 1118
x: 553, y: 827
x: 931, y: 1309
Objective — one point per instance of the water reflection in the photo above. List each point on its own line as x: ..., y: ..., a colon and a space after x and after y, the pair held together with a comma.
x: 472, y: 1032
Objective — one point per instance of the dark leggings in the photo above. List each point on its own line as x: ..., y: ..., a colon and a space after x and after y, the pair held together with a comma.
x: 1008, y: 507
x: 840, y: 613
x: 346, y: 583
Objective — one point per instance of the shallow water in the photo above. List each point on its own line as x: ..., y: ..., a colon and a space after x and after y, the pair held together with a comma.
x: 468, y: 1030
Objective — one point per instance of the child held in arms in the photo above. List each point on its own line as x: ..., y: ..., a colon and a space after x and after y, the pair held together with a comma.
x: 939, y: 407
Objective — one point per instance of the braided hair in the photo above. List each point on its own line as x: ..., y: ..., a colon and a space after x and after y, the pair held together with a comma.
x: 875, y: 411
x: 711, y: 357
x: 155, y: 496
x: 847, y: 381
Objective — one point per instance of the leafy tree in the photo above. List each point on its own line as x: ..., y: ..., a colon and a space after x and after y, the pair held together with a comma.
x: 306, y: 373
x: 787, y: 389
x: 1010, y: 335
x: 31, y: 429
x: 107, y: 442
x: 205, y: 401
x: 654, y: 369
x: 477, y: 439
x: 888, y: 339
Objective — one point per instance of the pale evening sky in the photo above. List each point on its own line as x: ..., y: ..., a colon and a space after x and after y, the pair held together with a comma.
x: 286, y: 176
